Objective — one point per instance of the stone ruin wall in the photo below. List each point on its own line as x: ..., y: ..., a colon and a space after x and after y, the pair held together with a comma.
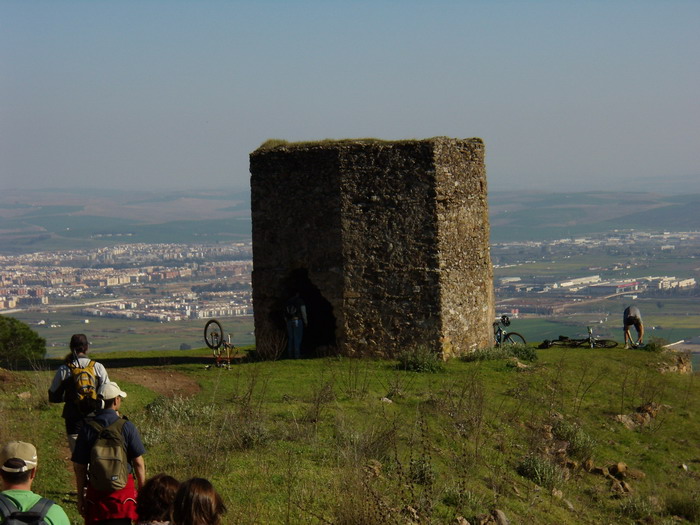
x: 389, y: 242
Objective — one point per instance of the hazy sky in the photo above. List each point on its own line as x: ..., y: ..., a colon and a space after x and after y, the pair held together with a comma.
x: 567, y: 95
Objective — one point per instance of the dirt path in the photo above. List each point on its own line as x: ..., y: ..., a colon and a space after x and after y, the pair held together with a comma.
x: 163, y: 381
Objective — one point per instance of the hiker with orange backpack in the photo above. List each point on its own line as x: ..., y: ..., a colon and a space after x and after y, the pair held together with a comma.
x: 75, y: 384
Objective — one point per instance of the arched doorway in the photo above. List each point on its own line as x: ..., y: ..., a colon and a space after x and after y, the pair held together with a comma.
x: 319, y: 334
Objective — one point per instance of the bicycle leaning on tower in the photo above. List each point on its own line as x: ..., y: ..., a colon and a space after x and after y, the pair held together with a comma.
x: 504, y: 338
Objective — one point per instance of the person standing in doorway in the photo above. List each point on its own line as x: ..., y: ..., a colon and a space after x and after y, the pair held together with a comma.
x: 295, y: 317
x: 632, y: 316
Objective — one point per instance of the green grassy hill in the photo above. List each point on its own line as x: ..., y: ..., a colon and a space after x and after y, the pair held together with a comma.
x: 348, y: 441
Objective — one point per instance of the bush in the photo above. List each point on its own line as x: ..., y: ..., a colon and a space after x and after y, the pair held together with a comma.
x: 420, y: 359
x: 522, y: 352
x: 464, y: 500
x: 655, y: 344
x: 684, y: 505
x: 18, y: 342
x: 177, y: 410
x: 637, y: 507
x: 581, y: 445
x: 249, y: 433
x: 541, y: 470
x: 421, y: 472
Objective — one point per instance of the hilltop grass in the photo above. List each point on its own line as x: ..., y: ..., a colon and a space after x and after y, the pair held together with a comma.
x: 361, y: 441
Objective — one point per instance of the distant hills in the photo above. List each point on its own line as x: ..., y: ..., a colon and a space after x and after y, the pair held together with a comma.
x: 38, y: 220
x: 41, y: 220
x: 538, y: 216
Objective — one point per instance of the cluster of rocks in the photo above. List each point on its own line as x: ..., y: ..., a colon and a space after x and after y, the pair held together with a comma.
x: 618, y: 474
x: 642, y: 416
x: 676, y: 363
x: 496, y: 517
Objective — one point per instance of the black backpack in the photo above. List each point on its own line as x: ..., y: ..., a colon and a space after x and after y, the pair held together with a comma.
x: 11, y: 515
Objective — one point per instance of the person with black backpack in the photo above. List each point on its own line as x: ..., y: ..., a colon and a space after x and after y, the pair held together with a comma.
x: 108, y: 457
x: 18, y: 504
x: 75, y: 384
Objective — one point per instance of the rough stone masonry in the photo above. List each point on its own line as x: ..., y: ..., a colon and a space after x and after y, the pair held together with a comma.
x: 387, y: 242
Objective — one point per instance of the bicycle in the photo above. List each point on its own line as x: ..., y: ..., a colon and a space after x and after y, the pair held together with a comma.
x: 213, y: 336
x: 589, y: 342
x: 503, y: 337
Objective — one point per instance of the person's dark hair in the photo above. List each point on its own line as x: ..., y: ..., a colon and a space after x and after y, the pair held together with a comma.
x: 79, y: 343
x: 108, y: 403
x: 156, y: 498
x: 15, y: 478
x: 197, y: 503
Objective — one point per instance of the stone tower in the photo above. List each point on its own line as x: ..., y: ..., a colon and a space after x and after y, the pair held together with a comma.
x: 387, y: 242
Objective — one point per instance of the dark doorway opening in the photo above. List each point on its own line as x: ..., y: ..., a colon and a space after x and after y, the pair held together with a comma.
x: 319, y: 334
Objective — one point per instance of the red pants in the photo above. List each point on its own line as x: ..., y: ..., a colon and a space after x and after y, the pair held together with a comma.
x: 102, y: 505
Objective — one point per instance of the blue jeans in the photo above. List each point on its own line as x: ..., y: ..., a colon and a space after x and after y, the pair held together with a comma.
x: 295, y: 331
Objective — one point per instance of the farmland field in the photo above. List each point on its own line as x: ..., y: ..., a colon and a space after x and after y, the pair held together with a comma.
x: 119, y: 335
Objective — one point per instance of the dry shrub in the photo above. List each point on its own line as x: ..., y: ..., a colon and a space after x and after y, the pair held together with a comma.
x: 270, y: 344
x: 358, y: 503
x: 320, y: 398
x: 358, y: 446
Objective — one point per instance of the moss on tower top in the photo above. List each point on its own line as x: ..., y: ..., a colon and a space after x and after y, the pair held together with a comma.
x: 272, y: 144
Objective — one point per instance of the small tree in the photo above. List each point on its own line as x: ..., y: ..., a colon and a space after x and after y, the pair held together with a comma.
x: 19, y: 342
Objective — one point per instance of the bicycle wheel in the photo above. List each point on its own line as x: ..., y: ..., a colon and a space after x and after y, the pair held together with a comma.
x: 605, y: 343
x: 514, y: 338
x: 213, y: 334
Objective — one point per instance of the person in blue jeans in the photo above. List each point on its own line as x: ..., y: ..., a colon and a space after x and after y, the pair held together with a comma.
x: 295, y: 317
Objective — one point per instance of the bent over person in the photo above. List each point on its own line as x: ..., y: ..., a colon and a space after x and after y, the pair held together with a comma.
x: 18, y: 462
x: 108, y: 456
x: 630, y: 317
x: 75, y: 384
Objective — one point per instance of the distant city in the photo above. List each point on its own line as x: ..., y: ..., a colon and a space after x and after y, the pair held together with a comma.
x: 627, y: 256
x: 150, y: 282
x: 173, y: 282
